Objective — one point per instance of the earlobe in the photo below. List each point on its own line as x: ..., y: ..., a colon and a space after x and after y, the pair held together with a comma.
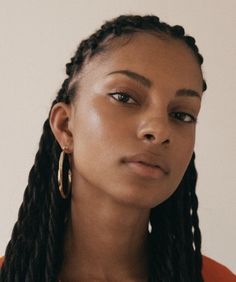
x: 59, y: 122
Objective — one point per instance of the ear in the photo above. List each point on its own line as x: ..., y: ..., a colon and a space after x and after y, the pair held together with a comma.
x: 60, y: 118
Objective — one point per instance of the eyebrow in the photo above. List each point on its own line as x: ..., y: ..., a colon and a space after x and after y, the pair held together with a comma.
x: 148, y: 83
x: 138, y: 77
x: 188, y: 93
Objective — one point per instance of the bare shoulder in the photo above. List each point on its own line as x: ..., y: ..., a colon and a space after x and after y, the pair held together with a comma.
x: 214, y: 271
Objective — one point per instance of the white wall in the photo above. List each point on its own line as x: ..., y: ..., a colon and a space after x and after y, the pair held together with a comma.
x: 37, y: 39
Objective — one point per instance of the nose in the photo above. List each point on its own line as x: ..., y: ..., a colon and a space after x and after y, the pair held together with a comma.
x: 155, y: 131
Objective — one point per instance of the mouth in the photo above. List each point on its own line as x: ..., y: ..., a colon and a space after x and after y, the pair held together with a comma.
x: 149, y: 160
x: 148, y: 164
x: 146, y: 170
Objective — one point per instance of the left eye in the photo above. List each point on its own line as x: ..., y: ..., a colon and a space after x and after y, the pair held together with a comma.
x: 184, y: 117
x: 122, y: 97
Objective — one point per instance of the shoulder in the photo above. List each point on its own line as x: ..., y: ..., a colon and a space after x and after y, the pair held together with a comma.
x: 213, y: 271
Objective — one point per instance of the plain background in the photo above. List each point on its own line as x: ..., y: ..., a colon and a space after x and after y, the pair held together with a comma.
x: 37, y: 39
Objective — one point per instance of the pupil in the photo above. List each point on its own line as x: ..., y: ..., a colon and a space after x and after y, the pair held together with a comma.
x: 123, y: 97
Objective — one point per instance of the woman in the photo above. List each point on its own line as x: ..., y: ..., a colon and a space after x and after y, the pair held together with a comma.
x: 117, y: 156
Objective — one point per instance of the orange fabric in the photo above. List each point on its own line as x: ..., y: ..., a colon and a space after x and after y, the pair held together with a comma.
x: 212, y: 271
x: 1, y: 261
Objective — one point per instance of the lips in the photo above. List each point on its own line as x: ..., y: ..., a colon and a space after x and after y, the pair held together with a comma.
x: 149, y: 160
x: 148, y: 164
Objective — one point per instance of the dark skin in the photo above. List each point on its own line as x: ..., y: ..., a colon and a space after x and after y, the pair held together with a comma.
x: 110, y: 205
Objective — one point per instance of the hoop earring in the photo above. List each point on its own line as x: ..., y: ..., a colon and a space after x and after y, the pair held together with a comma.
x: 60, y: 177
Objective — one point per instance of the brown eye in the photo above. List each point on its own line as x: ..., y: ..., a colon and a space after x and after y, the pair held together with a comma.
x: 122, y: 97
x: 184, y: 117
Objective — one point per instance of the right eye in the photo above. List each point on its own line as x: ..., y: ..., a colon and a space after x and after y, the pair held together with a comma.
x: 122, y: 97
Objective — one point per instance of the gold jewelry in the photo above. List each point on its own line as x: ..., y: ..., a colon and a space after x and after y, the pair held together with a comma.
x: 60, y: 176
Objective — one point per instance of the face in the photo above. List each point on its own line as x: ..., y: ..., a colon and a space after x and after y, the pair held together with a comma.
x: 136, y: 103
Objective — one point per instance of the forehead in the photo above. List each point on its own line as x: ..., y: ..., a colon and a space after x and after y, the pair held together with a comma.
x: 162, y: 59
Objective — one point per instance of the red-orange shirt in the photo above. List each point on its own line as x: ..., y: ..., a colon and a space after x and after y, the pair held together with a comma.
x: 212, y: 271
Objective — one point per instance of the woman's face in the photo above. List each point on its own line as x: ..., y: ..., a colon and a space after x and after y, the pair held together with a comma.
x: 137, y: 99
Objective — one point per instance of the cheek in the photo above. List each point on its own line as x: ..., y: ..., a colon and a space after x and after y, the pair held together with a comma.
x: 95, y: 134
x: 183, y: 151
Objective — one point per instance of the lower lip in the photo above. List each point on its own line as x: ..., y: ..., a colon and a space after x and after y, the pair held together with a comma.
x: 146, y: 171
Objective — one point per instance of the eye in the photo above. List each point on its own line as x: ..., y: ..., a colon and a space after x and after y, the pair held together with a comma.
x: 122, y: 97
x: 184, y: 117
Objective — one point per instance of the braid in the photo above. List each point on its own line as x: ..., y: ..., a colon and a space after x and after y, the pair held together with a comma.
x: 191, y: 217
x: 35, y: 250
x: 120, y: 26
x: 57, y: 214
x: 31, y: 249
x: 30, y: 214
x: 173, y: 236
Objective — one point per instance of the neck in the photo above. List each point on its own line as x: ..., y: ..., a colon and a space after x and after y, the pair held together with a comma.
x: 107, y: 237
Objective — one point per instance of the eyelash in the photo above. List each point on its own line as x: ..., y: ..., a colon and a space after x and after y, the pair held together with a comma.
x: 124, y: 94
x: 193, y: 119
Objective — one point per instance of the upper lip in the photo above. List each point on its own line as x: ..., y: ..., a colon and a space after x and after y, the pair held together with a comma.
x: 149, y: 159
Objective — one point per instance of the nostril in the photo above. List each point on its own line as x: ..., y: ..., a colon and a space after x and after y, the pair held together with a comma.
x: 167, y: 141
x: 150, y: 136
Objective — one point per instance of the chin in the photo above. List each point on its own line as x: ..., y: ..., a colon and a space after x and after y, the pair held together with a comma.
x: 143, y: 200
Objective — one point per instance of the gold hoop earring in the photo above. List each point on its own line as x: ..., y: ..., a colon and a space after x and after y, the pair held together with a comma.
x: 60, y: 177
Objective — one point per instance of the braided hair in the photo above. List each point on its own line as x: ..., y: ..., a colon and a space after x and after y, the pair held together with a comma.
x: 34, y: 252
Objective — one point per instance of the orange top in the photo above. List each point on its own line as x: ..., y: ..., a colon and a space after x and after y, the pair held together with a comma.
x: 212, y: 271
